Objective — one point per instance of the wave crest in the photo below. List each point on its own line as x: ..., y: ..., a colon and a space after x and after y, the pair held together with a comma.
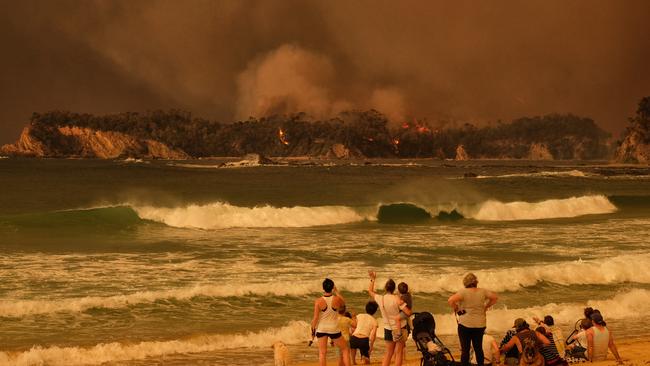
x: 549, y: 209
x: 223, y: 215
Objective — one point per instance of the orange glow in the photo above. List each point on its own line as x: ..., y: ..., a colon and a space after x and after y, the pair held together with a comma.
x: 282, y: 136
x: 370, y: 139
x: 396, y: 142
x: 405, y: 125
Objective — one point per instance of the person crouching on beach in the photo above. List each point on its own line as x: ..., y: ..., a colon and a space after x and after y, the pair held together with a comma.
x: 470, y: 305
x: 389, y: 307
x: 325, y: 323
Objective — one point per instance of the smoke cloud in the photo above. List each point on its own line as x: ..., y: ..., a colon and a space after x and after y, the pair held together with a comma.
x: 227, y: 60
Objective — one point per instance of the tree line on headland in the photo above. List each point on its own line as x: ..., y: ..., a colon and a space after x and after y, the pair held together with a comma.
x: 177, y: 134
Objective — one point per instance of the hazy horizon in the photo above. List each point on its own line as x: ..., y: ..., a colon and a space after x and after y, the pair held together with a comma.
x: 228, y: 60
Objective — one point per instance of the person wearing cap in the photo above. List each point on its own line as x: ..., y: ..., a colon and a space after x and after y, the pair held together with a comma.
x: 599, y: 339
x: 470, y: 305
x: 523, y: 333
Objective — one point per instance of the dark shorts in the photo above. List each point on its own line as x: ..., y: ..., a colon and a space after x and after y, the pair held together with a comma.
x: 388, y: 335
x: 332, y: 336
x: 362, y: 344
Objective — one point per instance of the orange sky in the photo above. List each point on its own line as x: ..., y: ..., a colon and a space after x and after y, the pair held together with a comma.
x: 445, y: 61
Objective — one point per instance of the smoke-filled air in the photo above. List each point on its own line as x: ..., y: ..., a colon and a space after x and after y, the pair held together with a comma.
x: 315, y: 182
x: 229, y: 60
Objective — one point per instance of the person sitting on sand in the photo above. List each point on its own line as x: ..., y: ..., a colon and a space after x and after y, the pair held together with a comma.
x: 576, y: 344
x: 550, y: 352
x: 470, y: 304
x: 512, y: 356
x: 524, y: 335
x: 363, y: 337
x: 325, y: 323
x: 388, y: 305
x: 551, y: 329
x: 599, y: 339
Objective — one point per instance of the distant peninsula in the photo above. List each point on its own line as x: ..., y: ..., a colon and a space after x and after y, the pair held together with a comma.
x: 176, y: 134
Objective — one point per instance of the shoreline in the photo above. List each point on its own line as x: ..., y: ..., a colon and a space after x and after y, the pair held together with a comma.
x: 633, y: 351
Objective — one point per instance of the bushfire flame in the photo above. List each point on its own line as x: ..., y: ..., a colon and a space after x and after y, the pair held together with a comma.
x: 283, y: 137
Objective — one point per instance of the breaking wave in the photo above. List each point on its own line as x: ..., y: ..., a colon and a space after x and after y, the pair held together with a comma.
x: 620, y: 269
x: 292, y: 333
x: 549, y: 209
x: 625, y: 305
x: 223, y: 215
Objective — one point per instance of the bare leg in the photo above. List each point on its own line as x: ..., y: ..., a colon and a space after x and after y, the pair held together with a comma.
x: 390, y: 348
x: 399, y: 350
x: 322, y: 351
x: 344, y: 350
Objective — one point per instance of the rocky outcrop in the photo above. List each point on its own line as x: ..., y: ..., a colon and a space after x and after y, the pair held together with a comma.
x: 69, y: 141
x: 461, y: 154
x: 27, y: 145
x: 539, y: 151
x: 635, y: 147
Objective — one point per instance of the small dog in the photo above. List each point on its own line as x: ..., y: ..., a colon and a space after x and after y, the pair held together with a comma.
x: 280, y: 354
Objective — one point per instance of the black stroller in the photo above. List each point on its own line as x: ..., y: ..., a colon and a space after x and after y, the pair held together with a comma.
x: 434, y: 352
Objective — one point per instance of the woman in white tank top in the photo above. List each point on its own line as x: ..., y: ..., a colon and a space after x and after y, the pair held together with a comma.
x: 325, y: 323
x: 599, y: 339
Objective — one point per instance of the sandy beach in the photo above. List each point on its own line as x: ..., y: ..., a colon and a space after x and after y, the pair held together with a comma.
x: 634, y: 352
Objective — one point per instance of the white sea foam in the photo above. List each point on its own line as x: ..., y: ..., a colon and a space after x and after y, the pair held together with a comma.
x: 620, y: 269
x: 625, y: 305
x: 292, y: 333
x: 16, y: 308
x: 549, y: 209
x: 631, y: 304
x: 223, y: 215
x: 544, y: 174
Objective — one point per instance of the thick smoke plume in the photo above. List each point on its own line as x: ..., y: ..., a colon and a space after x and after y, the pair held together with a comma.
x: 459, y: 61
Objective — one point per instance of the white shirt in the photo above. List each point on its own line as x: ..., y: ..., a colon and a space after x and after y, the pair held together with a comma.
x: 389, y: 306
x: 365, y: 324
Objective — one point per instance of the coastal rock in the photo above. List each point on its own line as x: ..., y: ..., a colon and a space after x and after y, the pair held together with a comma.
x: 635, y: 147
x: 461, y: 154
x: 27, y: 145
x: 539, y: 151
x: 70, y: 141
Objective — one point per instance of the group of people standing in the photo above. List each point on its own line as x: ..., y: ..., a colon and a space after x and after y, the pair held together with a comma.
x: 544, y: 345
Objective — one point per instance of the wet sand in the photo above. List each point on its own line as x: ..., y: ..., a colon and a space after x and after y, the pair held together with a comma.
x: 635, y: 352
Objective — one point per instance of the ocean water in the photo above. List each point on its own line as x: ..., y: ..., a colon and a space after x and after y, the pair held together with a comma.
x: 156, y: 262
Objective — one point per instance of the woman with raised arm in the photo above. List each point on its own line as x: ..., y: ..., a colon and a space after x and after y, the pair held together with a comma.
x: 325, y: 323
x: 389, y: 306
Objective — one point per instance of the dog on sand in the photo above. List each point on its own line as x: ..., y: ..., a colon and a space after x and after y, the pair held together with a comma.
x: 280, y: 354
